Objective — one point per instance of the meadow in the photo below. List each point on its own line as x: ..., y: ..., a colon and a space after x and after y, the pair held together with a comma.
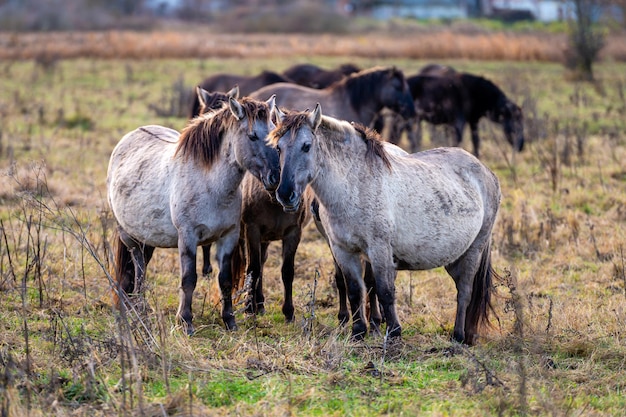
x: 556, y: 346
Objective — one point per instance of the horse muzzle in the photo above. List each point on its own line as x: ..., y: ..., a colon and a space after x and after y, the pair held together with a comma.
x: 407, y: 110
x: 290, y: 203
x: 271, y: 181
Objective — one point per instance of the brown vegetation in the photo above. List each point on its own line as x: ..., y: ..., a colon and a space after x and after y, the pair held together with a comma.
x: 201, y: 43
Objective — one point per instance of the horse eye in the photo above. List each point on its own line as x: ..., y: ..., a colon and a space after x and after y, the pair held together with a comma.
x: 253, y: 136
x: 278, y: 149
x: 306, y: 147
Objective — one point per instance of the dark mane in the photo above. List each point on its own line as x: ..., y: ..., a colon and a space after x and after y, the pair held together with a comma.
x: 360, y: 84
x: 373, y: 141
x: 201, y: 139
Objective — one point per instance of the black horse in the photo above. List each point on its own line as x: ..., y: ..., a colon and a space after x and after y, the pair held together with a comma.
x: 310, y: 75
x: 445, y: 96
x: 247, y: 84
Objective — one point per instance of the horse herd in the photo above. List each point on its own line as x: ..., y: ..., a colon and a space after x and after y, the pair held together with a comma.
x: 248, y: 171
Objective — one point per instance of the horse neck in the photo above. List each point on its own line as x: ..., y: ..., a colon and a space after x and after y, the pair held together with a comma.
x: 362, y: 99
x: 225, y: 173
x: 341, y: 169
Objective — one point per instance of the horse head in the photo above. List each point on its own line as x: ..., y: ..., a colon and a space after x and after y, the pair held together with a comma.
x: 253, y: 153
x: 396, y: 95
x: 511, y: 118
x: 294, y: 139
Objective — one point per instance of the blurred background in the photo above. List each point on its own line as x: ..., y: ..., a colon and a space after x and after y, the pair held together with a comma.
x: 289, y: 15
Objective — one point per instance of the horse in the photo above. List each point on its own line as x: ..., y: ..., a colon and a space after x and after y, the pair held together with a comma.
x: 399, y: 212
x: 444, y: 96
x: 358, y: 97
x: 168, y: 190
x: 246, y: 84
x: 310, y: 75
x: 263, y: 221
x: 374, y: 316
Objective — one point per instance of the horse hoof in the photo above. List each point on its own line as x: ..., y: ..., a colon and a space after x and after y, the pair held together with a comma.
x: 395, y: 332
x: 231, y: 325
x: 358, y: 331
x: 358, y: 337
x: 375, y: 330
x: 189, y: 329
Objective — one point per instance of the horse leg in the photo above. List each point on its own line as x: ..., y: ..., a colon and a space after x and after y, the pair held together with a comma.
x: 378, y: 124
x: 472, y: 276
x: 207, y: 268
x: 475, y: 138
x: 384, y: 272
x: 290, y: 244
x: 351, y: 267
x: 397, y: 126
x: 258, y: 295
x: 189, y: 278
x: 375, y: 317
x: 139, y: 255
x: 124, y: 265
x: 224, y: 254
x: 414, y: 134
x: 340, y: 281
x: 255, y: 266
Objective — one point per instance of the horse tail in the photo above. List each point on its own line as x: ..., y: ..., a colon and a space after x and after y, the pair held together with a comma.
x: 238, y: 265
x: 480, y: 305
x: 124, y: 270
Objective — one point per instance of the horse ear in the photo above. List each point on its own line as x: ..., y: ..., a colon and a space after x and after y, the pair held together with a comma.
x: 236, y: 108
x: 233, y: 92
x: 271, y: 102
x: 279, y: 115
x: 203, y: 96
x: 315, y: 117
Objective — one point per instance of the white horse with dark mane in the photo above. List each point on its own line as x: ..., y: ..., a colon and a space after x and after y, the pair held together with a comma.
x: 170, y: 190
x: 410, y: 212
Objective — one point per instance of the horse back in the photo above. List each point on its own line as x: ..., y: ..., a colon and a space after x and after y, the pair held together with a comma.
x: 483, y: 95
x: 438, y: 99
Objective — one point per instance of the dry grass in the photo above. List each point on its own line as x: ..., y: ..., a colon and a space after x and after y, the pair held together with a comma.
x: 201, y: 43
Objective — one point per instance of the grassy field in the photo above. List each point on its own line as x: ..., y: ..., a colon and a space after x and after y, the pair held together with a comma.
x: 556, y: 348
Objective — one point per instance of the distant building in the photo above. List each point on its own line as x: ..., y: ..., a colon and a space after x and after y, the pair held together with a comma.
x: 543, y: 10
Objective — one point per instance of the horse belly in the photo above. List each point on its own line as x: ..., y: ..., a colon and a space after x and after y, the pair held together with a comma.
x: 148, y: 220
x: 138, y: 190
x: 426, y: 254
x: 443, y: 227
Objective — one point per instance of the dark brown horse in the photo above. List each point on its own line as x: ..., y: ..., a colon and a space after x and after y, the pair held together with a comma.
x: 246, y: 84
x: 357, y: 97
x: 444, y: 96
x: 263, y: 221
x: 310, y: 75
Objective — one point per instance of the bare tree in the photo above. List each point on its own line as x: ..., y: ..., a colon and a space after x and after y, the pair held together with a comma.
x: 585, y: 41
